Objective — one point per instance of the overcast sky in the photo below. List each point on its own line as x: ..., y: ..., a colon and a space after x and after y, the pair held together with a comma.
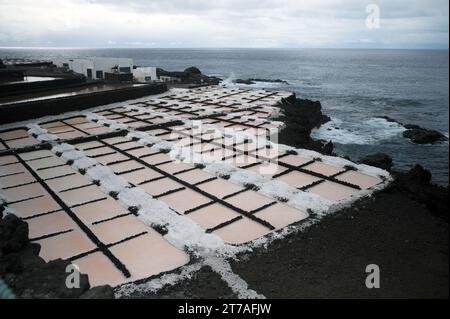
x: 224, y: 23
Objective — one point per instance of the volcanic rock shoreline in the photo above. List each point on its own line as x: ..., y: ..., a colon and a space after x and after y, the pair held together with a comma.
x: 191, y: 75
x: 418, y: 134
x: 301, y: 116
x: 254, y: 81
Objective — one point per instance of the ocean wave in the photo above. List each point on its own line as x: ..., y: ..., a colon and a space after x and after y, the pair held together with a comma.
x: 257, y: 85
x: 368, y: 132
x: 379, y: 103
x: 261, y: 85
x: 229, y: 80
x: 394, y: 102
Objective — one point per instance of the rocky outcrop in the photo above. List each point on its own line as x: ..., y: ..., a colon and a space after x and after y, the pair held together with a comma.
x: 417, y: 134
x: 390, y: 119
x: 242, y: 81
x: 253, y: 81
x: 100, y: 292
x: 191, y: 75
x: 47, y: 281
x: 28, y: 275
x: 417, y: 185
x: 300, y: 117
x: 193, y: 71
x: 380, y: 160
x: 13, y: 235
x: 420, y: 135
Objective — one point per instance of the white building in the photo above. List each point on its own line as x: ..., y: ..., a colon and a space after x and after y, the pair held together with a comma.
x: 145, y: 74
x: 95, y: 68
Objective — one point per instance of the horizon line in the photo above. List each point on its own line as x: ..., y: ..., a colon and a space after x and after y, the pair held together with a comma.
x: 220, y: 48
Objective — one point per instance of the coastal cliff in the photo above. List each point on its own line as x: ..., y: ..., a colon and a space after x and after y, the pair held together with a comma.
x: 300, y: 117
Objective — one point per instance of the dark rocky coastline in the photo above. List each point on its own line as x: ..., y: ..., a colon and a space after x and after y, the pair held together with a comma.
x: 254, y: 81
x: 380, y: 160
x: 420, y: 135
x: 191, y: 75
x: 415, y: 184
x: 301, y: 117
x: 417, y: 134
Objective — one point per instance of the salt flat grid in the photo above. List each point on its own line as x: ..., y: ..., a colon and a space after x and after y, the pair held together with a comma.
x: 73, y: 218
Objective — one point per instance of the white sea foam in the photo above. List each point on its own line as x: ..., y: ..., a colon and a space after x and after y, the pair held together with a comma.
x: 229, y: 80
x: 371, y: 131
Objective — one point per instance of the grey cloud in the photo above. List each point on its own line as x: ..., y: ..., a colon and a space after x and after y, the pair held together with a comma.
x: 223, y: 23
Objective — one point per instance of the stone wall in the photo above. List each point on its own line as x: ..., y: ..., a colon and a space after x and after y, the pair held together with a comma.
x: 34, y: 109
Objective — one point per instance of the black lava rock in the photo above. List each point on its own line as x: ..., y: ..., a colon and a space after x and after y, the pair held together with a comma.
x: 420, y: 135
x: 380, y: 160
x: 253, y: 81
x: 30, y: 256
x: 242, y: 81
x: 328, y: 148
x: 13, y: 234
x: 193, y: 70
x: 49, y: 282
x: 301, y: 117
x: 390, y: 119
x: 100, y: 292
x: 417, y: 134
x: 418, y: 175
x: 411, y: 126
x: 417, y: 185
x: 28, y: 275
x: 191, y: 76
x: 270, y: 81
x: 11, y: 263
